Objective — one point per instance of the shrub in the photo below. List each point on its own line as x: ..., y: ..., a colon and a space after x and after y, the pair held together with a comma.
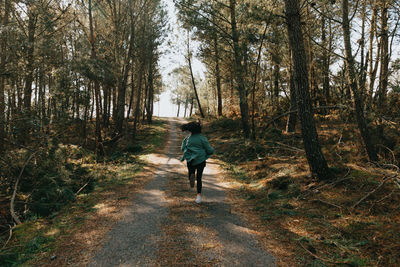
x: 48, y: 178
x: 226, y: 123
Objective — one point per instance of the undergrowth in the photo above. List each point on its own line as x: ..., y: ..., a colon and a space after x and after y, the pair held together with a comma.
x: 61, y: 186
x: 330, y: 223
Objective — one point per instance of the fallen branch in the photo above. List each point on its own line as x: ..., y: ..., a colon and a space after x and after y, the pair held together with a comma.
x: 330, y: 184
x: 286, y: 146
x: 322, y: 259
x: 380, y: 200
x: 397, y: 182
x: 373, y: 191
x: 80, y: 189
x: 113, y: 140
x: 292, y: 147
x: 9, y: 236
x: 328, y: 203
x: 391, y: 151
x: 12, y: 210
x: 296, y: 110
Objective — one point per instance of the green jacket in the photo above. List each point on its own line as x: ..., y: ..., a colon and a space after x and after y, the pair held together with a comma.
x: 197, y: 148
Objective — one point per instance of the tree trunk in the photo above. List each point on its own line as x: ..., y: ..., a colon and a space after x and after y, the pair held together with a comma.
x: 352, y: 80
x: 114, y: 103
x: 384, y: 68
x: 122, y: 84
x: 325, y: 62
x: 255, y: 82
x: 138, y: 98
x: 373, y: 66
x: 292, y: 119
x: 179, y: 108
x: 32, y: 19
x: 146, y: 91
x: 3, y: 70
x: 106, y: 92
x: 191, y: 107
x: 93, y: 101
x: 99, y: 141
x: 276, y: 90
x: 86, y: 112
x: 42, y: 99
x: 150, y: 93
x: 132, y: 95
x: 363, y: 60
x: 218, y: 77
x: 316, y: 159
x: 244, y: 107
x: 186, y: 106
x: 189, y: 55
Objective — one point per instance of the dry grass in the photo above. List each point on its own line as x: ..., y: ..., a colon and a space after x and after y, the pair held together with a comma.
x: 78, y: 230
x: 77, y: 243
x: 303, y: 221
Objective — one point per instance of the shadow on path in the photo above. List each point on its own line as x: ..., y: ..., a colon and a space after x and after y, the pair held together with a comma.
x: 205, y: 234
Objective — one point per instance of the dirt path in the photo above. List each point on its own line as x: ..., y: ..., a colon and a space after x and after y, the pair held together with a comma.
x: 164, y: 226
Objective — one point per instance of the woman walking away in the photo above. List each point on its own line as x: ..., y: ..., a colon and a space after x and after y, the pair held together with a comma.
x: 196, y: 150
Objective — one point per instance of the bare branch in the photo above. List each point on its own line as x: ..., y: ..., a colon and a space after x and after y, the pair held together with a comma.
x: 12, y: 210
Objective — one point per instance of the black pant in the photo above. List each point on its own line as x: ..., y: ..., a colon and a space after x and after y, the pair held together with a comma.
x: 192, y: 169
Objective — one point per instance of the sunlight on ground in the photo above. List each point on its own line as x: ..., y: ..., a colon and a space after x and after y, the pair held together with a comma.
x: 52, y: 232
x: 104, y: 209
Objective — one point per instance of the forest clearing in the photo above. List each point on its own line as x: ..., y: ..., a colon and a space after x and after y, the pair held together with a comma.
x: 299, y: 99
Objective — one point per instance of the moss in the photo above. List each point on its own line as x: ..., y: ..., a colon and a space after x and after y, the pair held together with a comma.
x: 31, y: 241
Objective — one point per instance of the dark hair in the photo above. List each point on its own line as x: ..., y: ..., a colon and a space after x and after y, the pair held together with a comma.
x: 193, y: 127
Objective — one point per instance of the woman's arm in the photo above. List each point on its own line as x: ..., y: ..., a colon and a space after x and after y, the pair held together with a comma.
x: 209, y: 149
x: 184, y: 142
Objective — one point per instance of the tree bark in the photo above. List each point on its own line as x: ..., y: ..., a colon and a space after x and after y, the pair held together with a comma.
x: 179, y: 108
x: 384, y: 68
x: 3, y: 70
x: 132, y: 95
x: 150, y: 84
x: 353, y: 84
x: 192, y: 77
x: 292, y: 119
x: 30, y: 66
x: 124, y: 80
x: 244, y: 107
x: 99, y: 140
x: 138, y: 97
x: 276, y: 75
x: 315, y: 158
x: 325, y: 62
x: 373, y: 66
x: 106, y: 92
x: 191, y: 107
x: 186, y: 106
x: 255, y: 82
x: 218, y: 77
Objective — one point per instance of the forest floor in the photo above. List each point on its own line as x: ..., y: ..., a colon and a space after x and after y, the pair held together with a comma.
x: 351, y: 220
x: 260, y: 206
x: 153, y: 220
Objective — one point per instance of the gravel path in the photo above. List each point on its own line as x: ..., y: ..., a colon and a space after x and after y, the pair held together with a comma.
x: 133, y: 240
x: 164, y: 227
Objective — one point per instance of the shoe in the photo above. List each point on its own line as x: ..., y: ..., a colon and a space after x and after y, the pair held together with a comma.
x: 191, y: 180
x: 198, y: 199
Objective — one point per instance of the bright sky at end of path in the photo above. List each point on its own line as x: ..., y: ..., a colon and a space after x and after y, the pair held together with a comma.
x: 173, y: 55
x: 164, y: 107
